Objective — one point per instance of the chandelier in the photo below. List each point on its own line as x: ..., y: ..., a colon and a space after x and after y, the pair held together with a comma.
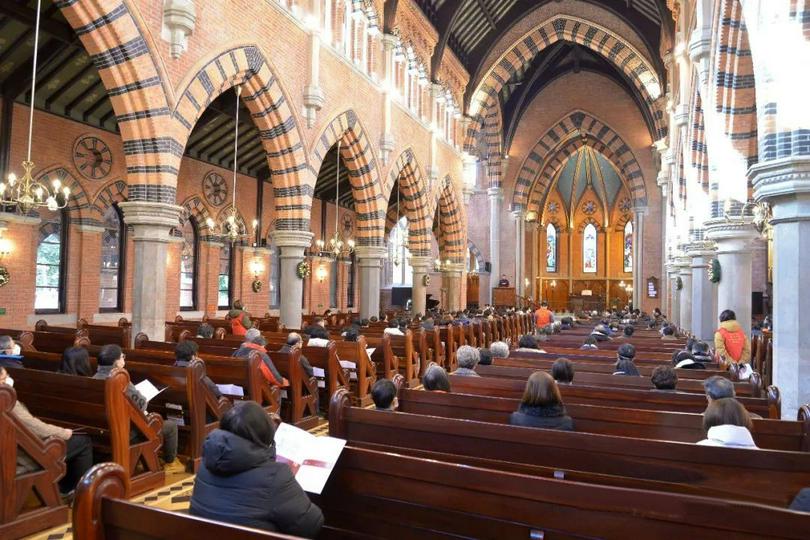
x: 26, y: 193
x: 338, y: 244
x: 231, y: 228
x: 760, y: 213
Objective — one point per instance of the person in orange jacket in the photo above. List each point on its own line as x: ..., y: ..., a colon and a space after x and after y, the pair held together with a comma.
x: 543, y: 316
x: 730, y: 340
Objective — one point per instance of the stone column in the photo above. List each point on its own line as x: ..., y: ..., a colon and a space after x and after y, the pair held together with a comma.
x: 534, y: 228
x: 684, y: 265
x: 421, y: 267
x: 451, y: 278
x: 520, y: 250
x: 674, y: 314
x: 785, y: 184
x: 638, y: 258
x: 734, y: 251
x: 704, y: 292
x: 291, y: 246
x: 495, y: 203
x: 662, y: 181
x: 151, y: 224
x: 370, y: 260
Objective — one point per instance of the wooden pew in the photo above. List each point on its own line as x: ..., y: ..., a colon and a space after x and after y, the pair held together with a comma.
x: 103, y: 410
x: 334, y: 376
x: 101, y: 511
x: 102, y: 335
x: 301, y: 407
x: 17, y: 517
x: 752, y: 387
x: 365, y: 372
x: 24, y: 338
x: 771, y: 476
x: 767, y: 407
x: 625, y: 422
x: 603, y: 366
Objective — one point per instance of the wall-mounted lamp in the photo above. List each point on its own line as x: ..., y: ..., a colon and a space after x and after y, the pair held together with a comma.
x: 553, y: 283
x: 256, y: 267
x: 321, y: 274
x: 5, y: 243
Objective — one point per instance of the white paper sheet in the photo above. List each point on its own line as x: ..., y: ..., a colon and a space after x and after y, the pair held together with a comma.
x: 231, y: 390
x: 148, y: 390
x: 310, y: 458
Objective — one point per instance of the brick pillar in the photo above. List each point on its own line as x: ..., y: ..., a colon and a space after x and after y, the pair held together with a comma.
x: 21, y: 235
x: 84, y: 274
x: 208, y: 277
x: 253, y: 265
x: 174, y: 251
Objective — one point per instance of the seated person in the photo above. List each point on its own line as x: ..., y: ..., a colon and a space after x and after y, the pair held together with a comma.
x: 566, y: 323
x: 541, y: 405
x: 467, y: 358
x: 718, y: 387
x: 624, y: 361
x: 499, y: 349
x: 318, y: 323
x: 384, y: 395
x: 727, y: 423
x: 352, y: 335
x: 685, y: 360
x: 318, y: 337
x: 484, y: 357
x: 255, y: 342
x: 10, y: 353
x: 589, y: 344
x: 79, y: 448
x: 601, y: 333
x: 701, y: 353
x: 563, y: 370
x: 393, y: 328
x: 628, y: 332
x: 184, y: 353
x: 111, y: 357
x: 428, y: 323
x: 668, y: 333
x: 527, y: 343
x: 435, y: 379
x: 664, y: 378
x: 240, y: 319
x: 76, y: 361
x: 240, y: 481
x: 294, y: 341
x: 205, y: 331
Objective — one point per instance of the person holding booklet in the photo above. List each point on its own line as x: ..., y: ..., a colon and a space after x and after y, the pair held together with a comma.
x: 241, y: 482
x: 111, y: 357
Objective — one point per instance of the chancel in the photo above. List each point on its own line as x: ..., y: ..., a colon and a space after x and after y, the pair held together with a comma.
x: 404, y: 269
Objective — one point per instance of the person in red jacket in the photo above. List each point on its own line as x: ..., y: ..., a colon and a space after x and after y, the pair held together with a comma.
x: 730, y: 341
x: 240, y: 319
x: 543, y: 316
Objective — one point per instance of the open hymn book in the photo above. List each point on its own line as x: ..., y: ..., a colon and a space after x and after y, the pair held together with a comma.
x: 148, y: 390
x: 311, y: 458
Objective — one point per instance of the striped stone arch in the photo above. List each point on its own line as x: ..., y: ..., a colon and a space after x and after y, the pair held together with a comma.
x: 734, y: 82
x: 697, y: 142
x: 136, y: 84
x: 391, y: 218
x: 357, y: 153
x: 196, y: 208
x: 270, y: 109
x: 564, y: 138
x: 621, y: 222
x: 589, y: 221
x: 475, y: 252
x: 78, y: 207
x: 111, y: 193
x: 451, y: 229
x: 414, y: 196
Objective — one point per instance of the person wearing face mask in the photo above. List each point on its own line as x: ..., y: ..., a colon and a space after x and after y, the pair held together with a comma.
x: 10, y: 353
x: 79, y: 448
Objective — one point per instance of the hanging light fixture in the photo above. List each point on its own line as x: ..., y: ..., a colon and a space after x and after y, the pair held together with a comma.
x: 26, y: 193
x: 398, y: 240
x: 338, y: 244
x: 230, y: 228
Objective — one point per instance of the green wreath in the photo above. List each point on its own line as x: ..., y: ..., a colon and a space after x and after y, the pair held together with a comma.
x: 714, y: 271
x: 303, y: 270
x: 678, y: 283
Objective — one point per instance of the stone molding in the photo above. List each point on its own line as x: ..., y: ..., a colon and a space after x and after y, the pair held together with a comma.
x: 733, y: 236
x: 151, y: 221
x: 292, y: 239
x: 371, y: 252
x: 9, y: 217
x: 422, y: 265
x: 780, y: 178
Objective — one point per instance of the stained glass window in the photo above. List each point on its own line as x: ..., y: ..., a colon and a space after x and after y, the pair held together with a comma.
x: 628, y: 247
x: 551, y: 248
x: 589, y: 249
x: 224, y: 278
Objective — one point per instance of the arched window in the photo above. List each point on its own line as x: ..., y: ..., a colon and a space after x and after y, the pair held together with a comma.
x: 350, y: 285
x: 49, y: 296
x: 224, y: 281
x: 275, y: 275
x: 551, y: 248
x: 188, y: 267
x: 399, y: 255
x: 113, y: 252
x: 628, y: 247
x: 589, y: 249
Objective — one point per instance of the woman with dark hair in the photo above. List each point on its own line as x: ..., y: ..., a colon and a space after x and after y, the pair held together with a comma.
x: 563, y: 370
x: 589, y: 344
x: 727, y: 423
x: 541, y: 405
x: 730, y: 340
x: 624, y: 361
x: 241, y: 482
x: 435, y: 379
x: 76, y: 361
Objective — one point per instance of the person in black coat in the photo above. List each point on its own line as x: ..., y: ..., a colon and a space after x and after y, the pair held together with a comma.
x: 241, y: 482
x: 541, y: 405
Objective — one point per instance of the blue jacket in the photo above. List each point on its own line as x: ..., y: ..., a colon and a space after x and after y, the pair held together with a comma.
x: 240, y: 482
x: 11, y: 360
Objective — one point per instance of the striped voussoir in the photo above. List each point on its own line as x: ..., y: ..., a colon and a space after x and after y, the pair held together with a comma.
x: 567, y: 28
x: 589, y: 221
x: 111, y: 193
x: 562, y: 140
x: 271, y: 112
x: 697, y: 143
x: 453, y: 241
x: 131, y: 77
x: 357, y: 155
x: 474, y: 128
x: 406, y: 175
x: 78, y: 204
x: 193, y: 207
x: 475, y: 252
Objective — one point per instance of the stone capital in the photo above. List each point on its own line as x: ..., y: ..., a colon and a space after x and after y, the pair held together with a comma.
x: 151, y: 221
x: 422, y: 265
x: 371, y: 252
x: 681, y: 115
x: 518, y: 215
x: 292, y: 239
x: 495, y: 193
x: 452, y: 269
x: 732, y: 236
x: 700, y: 249
x: 389, y: 42
x: 780, y: 178
x: 640, y: 210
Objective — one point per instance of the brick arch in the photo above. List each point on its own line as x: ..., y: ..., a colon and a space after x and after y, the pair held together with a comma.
x: 78, y: 207
x: 589, y: 221
x: 194, y: 207
x: 451, y: 231
x: 547, y: 157
x: 479, y: 257
x: 109, y: 194
x: 270, y: 109
x: 414, y: 196
x: 621, y: 222
x: 357, y: 154
x: 697, y: 142
x: 136, y: 84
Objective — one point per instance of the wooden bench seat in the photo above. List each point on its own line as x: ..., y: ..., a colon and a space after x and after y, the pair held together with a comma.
x: 603, y: 366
